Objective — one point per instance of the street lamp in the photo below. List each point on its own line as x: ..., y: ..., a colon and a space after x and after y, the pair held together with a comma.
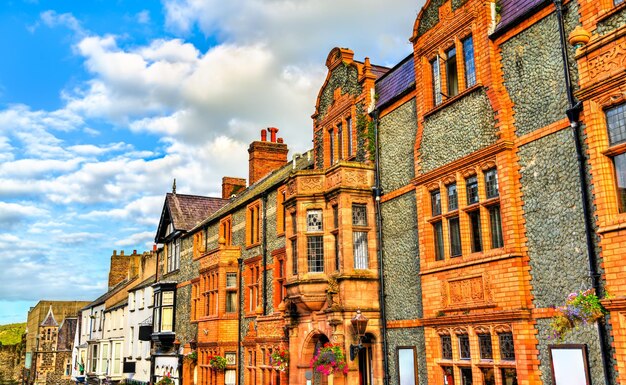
x: 359, y: 324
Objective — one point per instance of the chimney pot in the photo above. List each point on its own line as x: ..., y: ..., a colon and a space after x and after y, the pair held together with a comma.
x: 263, y: 135
x: 279, y: 140
x: 273, y: 131
x: 134, y: 251
x: 154, y: 247
x: 121, y: 252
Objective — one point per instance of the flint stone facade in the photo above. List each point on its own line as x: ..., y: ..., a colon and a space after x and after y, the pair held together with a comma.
x: 532, y: 66
x: 457, y: 130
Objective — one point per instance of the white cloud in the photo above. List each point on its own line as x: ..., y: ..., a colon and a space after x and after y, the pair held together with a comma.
x: 145, y: 239
x: 52, y: 19
x: 13, y: 213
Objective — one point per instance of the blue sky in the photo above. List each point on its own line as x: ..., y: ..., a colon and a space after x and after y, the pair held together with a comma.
x: 104, y: 102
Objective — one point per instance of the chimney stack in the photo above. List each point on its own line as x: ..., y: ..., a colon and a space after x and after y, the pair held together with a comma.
x: 265, y: 156
x: 231, y: 186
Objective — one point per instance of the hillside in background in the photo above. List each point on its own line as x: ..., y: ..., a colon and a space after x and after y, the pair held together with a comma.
x: 11, y: 334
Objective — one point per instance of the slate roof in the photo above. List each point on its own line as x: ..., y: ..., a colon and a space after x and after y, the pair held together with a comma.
x: 49, y: 320
x: 512, y: 11
x: 66, y: 333
x: 147, y: 282
x: 377, y: 70
x: 263, y: 184
x: 396, y: 81
x: 186, y: 211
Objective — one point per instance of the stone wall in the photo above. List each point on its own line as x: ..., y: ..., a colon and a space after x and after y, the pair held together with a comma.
x: 430, y: 17
x: 344, y: 76
x: 402, y: 283
x: 402, y: 338
x: 533, y: 72
x: 613, y: 22
x: 555, y: 236
x: 11, y: 363
x: 185, y: 330
x: 400, y: 253
x: 457, y: 130
x: 396, y: 133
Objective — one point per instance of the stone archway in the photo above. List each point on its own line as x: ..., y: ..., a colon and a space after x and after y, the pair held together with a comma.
x: 314, y: 343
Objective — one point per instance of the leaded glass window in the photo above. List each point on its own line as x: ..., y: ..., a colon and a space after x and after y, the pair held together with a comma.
x: 616, y: 123
x: 339, y: 141
x: 464, y: 347
x: 471, y: 186
x: 359, y: 215
x: 315, y: 254
x: 509, y: 376
x: 438, y: 232
x: 349, y: 127
x: 314, y: 220
x: 468, y: 58
x: 453, y: 198
x: 436, y: 81
x: 489, y: 377
x: 446, y: 347
x: 491, y: 183
x: 452, y: 76
x: 484, y: 343
x: 507, y: 348
x: 435, y: 202
x: 454, y: 228
x: 619, y: 162
x: 331, y: 134
x: 336, y: 252
x: 466, y: 376
x: 496, y: 227
x: 231, y: 280
x: 477, y: 244
x: 360, y: 249
x: 336, y: 216
x: 294, y: 257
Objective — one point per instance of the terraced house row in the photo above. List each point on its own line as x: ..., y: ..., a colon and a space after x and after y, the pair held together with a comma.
x: 449, y: 206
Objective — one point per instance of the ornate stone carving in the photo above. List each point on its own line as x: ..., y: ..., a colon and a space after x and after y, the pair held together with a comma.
x: 502, y: 328
x: 608, y: 62
x: 443, y: 331
x: 466, y: 291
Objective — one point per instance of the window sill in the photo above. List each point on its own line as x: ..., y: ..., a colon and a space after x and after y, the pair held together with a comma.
x: 434, y: 219
x: 253, y: 245
x: 451, y: 214
x: 490, y: 202
x: 610, y: 12
x: 467, y: 260
x: 615, y: 149
x: 453, y: 99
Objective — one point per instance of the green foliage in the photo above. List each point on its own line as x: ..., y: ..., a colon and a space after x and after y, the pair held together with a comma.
x: 11, y: 334
x: 165, y: 381
x: 580, y: 308
x: 366, y: 131
x: 217, y: 363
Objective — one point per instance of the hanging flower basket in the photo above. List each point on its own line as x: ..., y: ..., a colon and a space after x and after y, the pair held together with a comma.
x: 166, y: 380
x: 192, y: 357
x: 580, y: 308
x: 280, y: 359
x: 217, y: 363
x: 330, y: 359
